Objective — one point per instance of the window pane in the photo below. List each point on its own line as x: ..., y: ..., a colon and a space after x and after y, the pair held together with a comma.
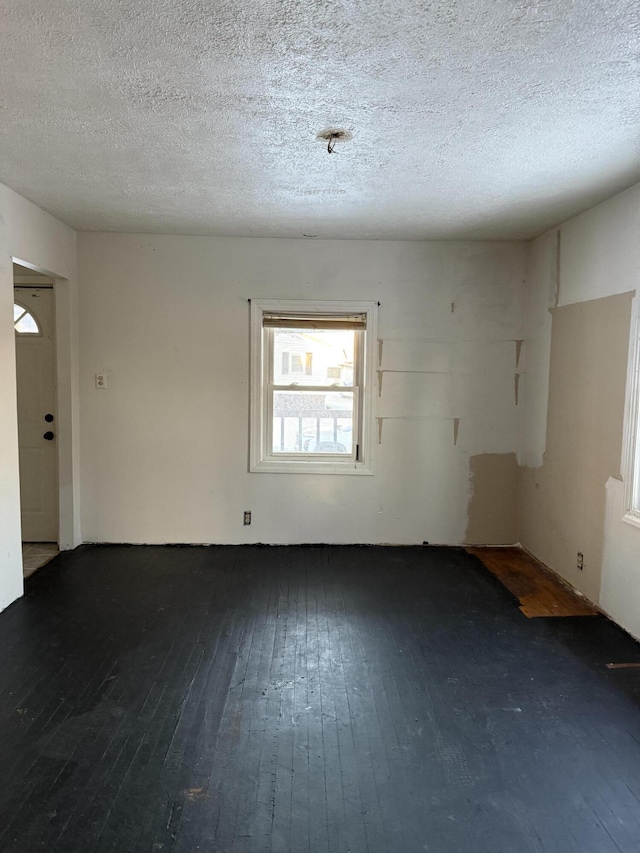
x: 312, y: 422
x: 18, y: 311
x: 321, y: 356
x: 27, y: 325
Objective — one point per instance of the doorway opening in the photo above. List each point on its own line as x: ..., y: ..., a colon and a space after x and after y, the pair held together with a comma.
x: 35, y: 327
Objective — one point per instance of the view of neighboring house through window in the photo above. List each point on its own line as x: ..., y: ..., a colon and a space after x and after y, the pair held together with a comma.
x: 306, y: 420
x: 311, y: 406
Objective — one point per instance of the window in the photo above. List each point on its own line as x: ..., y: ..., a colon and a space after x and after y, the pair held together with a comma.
x: 631, y: 452
x: 23, y: 321
x: 319, y: 418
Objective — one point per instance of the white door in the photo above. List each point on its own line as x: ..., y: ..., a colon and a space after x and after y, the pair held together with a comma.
x: 37, y: 418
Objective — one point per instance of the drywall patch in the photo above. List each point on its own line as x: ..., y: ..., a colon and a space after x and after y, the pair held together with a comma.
x: 562, y: 504
x: 492, y: 517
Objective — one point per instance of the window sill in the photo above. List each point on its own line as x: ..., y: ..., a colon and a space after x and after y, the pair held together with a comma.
x: 282, y: 466
x: 632, y: 517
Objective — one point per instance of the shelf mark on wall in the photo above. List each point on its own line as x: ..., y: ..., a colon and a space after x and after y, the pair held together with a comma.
x: 518, y: 344
x: 557, y: 270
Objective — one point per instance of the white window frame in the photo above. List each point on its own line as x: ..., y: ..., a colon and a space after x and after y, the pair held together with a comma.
x: 261, y: 458
x: 28, y: 311
x: 631, y: 442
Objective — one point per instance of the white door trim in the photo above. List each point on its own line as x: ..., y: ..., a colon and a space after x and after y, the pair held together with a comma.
x: 69, y: 535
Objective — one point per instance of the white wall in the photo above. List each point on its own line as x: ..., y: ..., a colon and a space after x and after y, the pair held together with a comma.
x: 164, y: 447
x: 540, y: 297
x: 593, y: 255
x: 599, y: 257
x: 620, y: 591
x: 30, y: 234
x: 600, y: 250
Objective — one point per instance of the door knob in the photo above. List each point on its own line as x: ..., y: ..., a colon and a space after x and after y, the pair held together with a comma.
x: 49, y: 436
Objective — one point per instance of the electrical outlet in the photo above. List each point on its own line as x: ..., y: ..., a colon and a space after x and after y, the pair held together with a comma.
x: 580, y: 560
x: 101, y: 380
x: 247, y: 517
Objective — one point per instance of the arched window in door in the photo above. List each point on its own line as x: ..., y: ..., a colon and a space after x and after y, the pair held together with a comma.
x: 23, y: 321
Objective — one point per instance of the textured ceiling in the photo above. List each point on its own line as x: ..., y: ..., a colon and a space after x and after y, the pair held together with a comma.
x: 470, y: 118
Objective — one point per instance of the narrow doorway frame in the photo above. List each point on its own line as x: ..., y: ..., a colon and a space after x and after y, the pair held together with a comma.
x: 66, y: 382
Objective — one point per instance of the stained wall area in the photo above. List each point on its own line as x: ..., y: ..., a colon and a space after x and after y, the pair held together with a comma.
x: 164, y: 446
x: 582, y: 277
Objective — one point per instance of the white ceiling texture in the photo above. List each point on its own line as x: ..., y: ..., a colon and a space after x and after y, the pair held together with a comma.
x: 470, y: 118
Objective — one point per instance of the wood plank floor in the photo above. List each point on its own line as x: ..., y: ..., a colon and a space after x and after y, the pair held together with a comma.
x: 321, y: 699
x: 539, y: 591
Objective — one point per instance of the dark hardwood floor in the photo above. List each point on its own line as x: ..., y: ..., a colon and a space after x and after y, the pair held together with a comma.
x: 309, y: 699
